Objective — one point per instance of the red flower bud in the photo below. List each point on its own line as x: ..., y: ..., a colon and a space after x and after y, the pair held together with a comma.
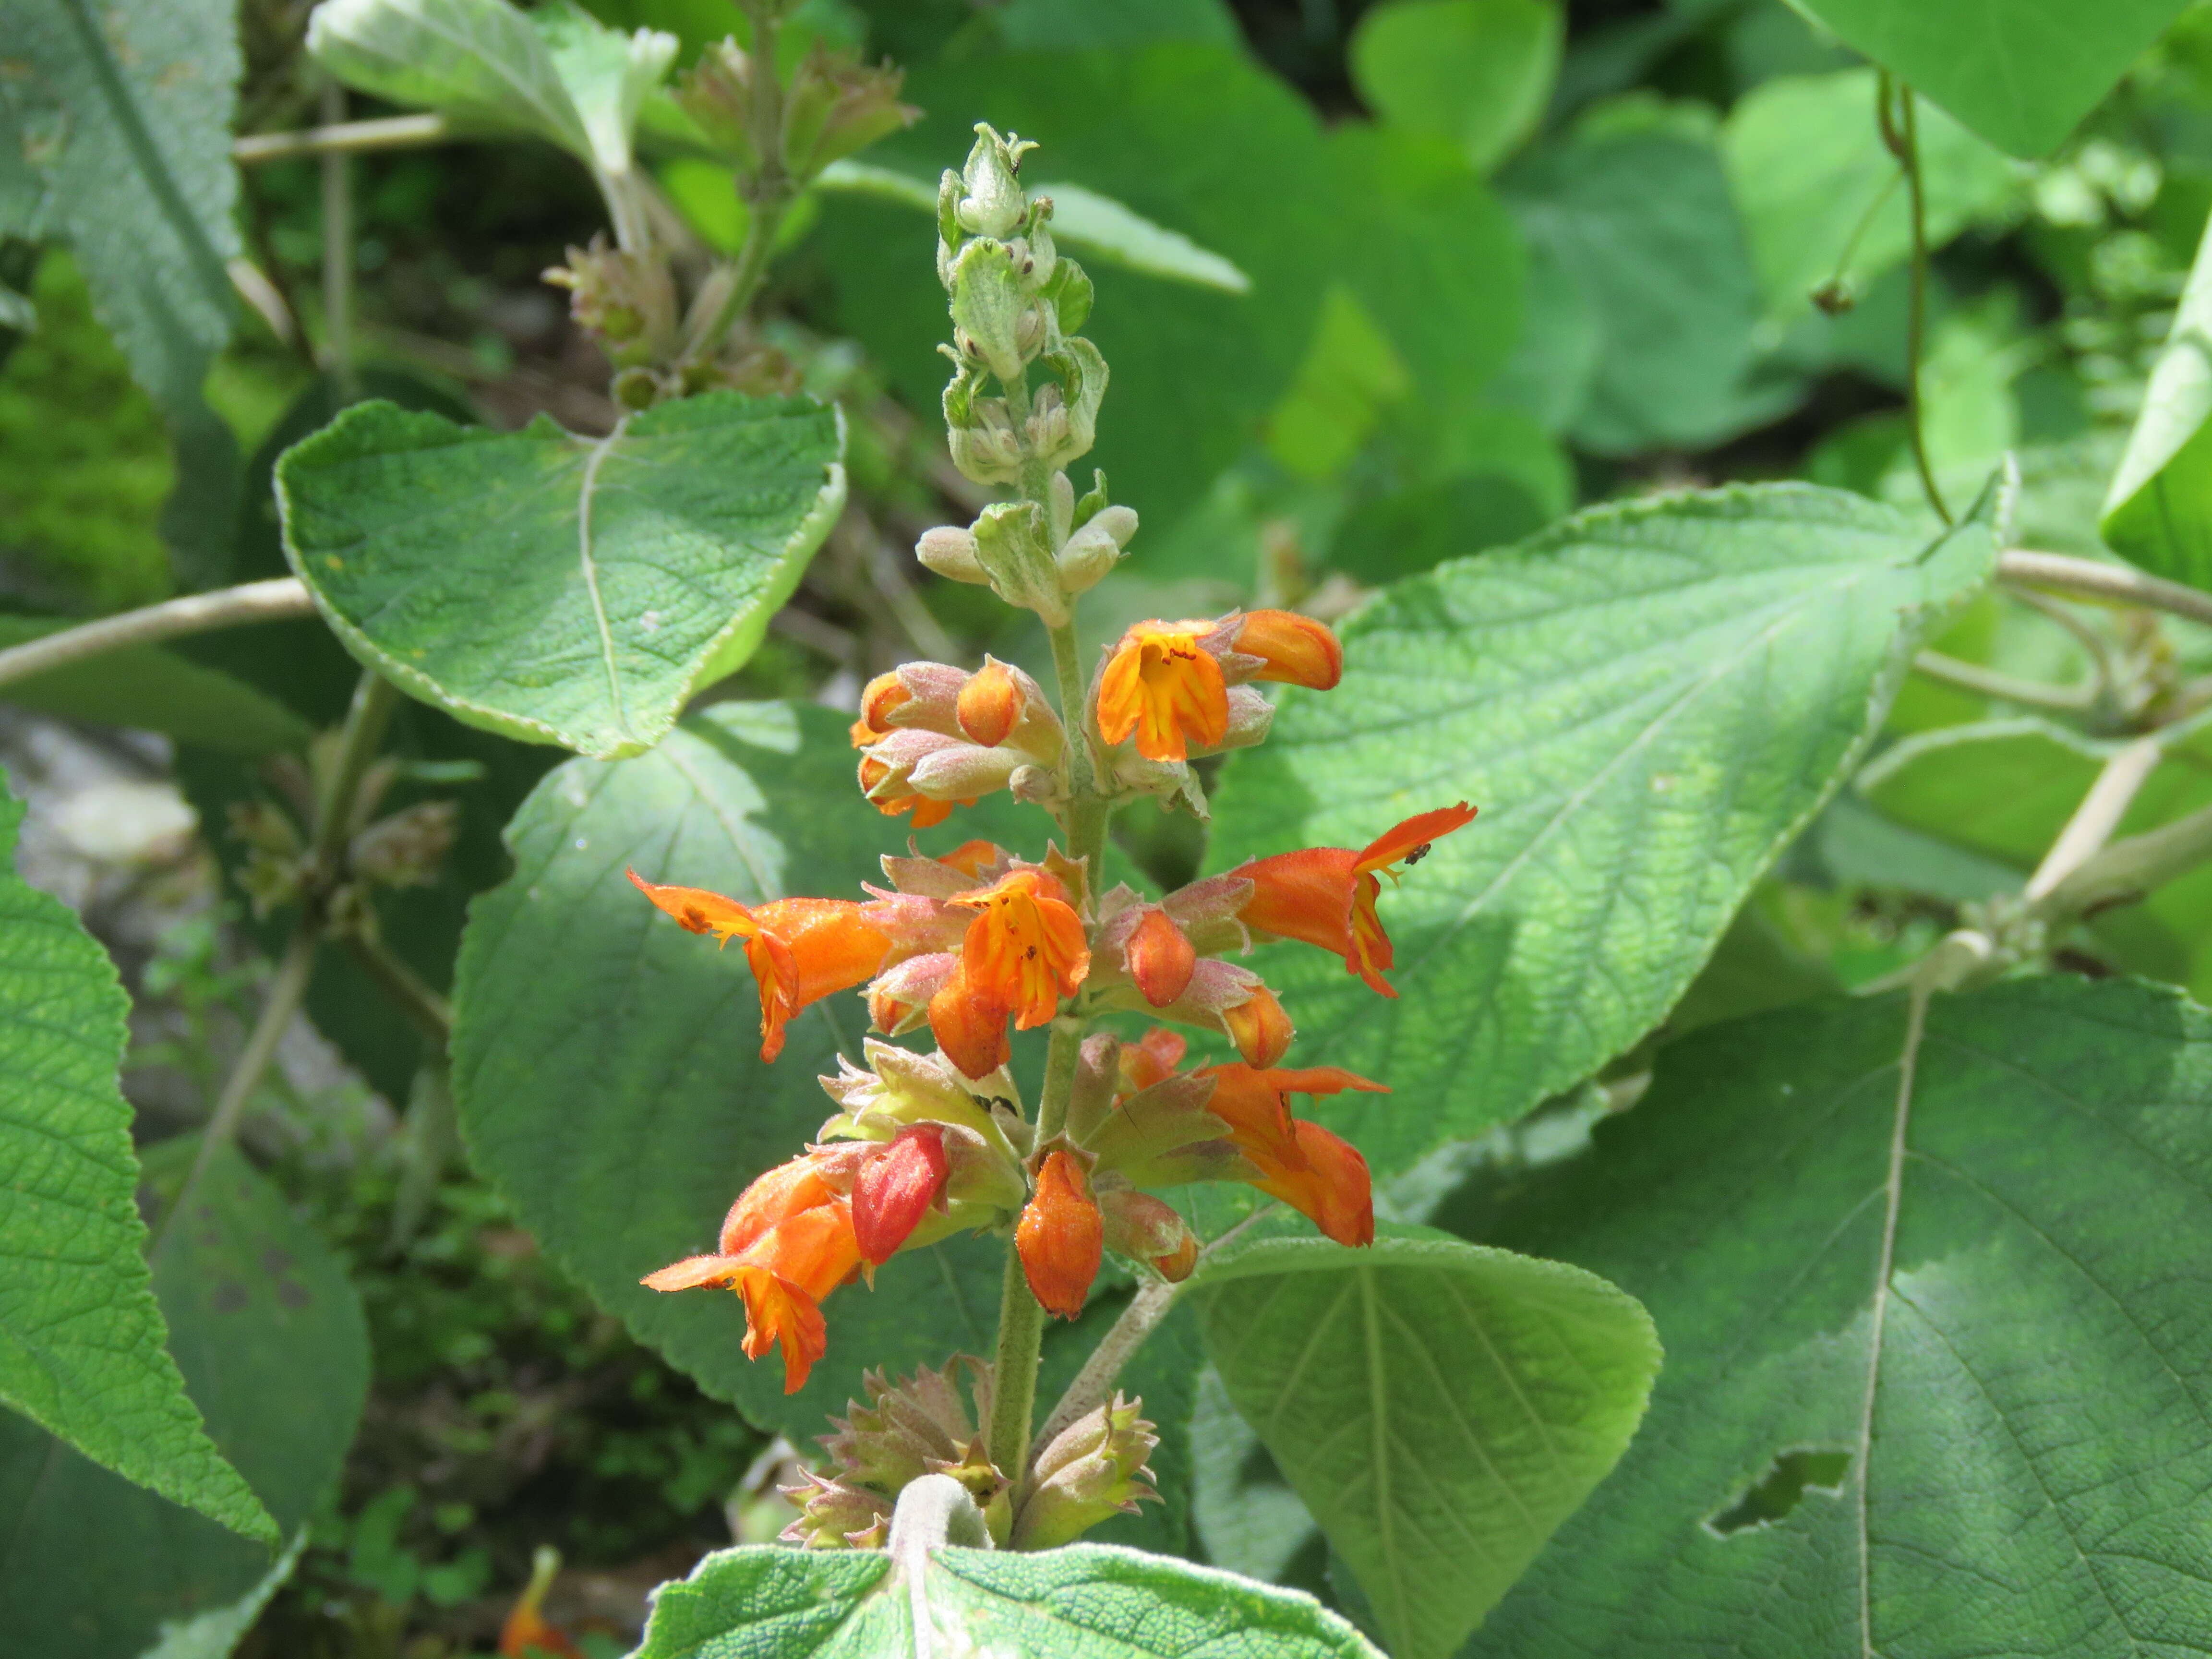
x: 895, y: 1188
x: 1160, y: 959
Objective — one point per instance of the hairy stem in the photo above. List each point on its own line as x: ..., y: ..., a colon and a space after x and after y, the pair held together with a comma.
x: 350, y: 137
x: 274, y: 600
x: 1902, y: 137
x: 2127, y: 869
x: 1094, y: 1384
x: 373, y: 700
x: 768, y: 191
x: 1989, y: 683
x: 1021, y: 1316
x: 2064, y: 572
x: 2100, y: 814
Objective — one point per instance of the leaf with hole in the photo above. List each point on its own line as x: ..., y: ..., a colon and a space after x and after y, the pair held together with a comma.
x: 1646, y: 703
x: 2021, y: 75
x: 273, y: 1346
x: 1085, y: 1602
x: 83, y: 1349
x: 556, y: 588
x: 1937, y: 1342
x: 1440, y: 1407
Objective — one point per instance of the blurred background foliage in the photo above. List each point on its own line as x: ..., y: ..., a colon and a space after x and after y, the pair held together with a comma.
x: 1507, y: 257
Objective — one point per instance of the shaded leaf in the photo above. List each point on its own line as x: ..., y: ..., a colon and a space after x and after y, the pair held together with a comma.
x: 1646, y: 703
x: 1440, y: 1407
x: 273, y: 1346
x: 2002, y: 1445
x: 1473, y: 72
x: 555, y: 588
x: 82, y: 1345
x: 156, y: 691
x: 2159, y: 510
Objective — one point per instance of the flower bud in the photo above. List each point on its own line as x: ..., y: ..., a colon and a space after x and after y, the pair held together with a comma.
x: 1091, y: 552
x: 992, y: 203
x: 920, y: 1424
x: 990, y: 703
x: 837, y: 107
x: 950, y: 552
x: 898, y: 999
x: 626, y: 301
x: 963, y: 772
x: 1290, y: 648
x: 1142, y: 1228
x: 1260, y: 1028
x: 1250, y: 714
x: 1159, y: 958
x: 989, y: 308
x: 895, y: 1189
x: 836, y: 1515
x: 1064, y: 421
x: 915, y: 695
x: 1010, y: 541
x: 1060, y: 1237
x: 717, y: 94
x: 1093, y: 1468
x: 981, y: 432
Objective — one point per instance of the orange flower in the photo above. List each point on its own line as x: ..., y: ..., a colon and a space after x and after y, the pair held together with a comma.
x: 1312, y: 1171
x: 1297, y: 650
x: 1165, y: 686
x: 1061, y: 1237
x: 526, y: 1635
x: 991, y: 703
x: 1153, y: 1058
x: 787, y: 1244
x: 1025, y: 950
x: 927, y: 813
x: 1260, y: 1027
x: 1325, y: 896
x: 1159, y: 958
x: 800, y: 950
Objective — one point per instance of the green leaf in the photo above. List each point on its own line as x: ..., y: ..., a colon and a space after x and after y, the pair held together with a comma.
x: 1822, y: 198
x: 480, y: 62
x: 1646, y: 703
x: 2020, y: 76
x: 2158, y: 511
x: 1643, y: 224
x: 1085, y: 220
x: 1934, y: 1353
x: 1440, y: 1407
x: 1474, y: 72
x: 125, y: 114
x: 555, y: 588
x: 1087, y: 1601
x: 582, y: 1013
x: 156, y: 691
x: 273, y: 1346
x: 83, y: 1346
x: 609, y: 74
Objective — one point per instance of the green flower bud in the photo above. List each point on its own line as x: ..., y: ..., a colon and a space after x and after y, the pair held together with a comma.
x: 989, y: 309
x: 979, y: 431
x: 950, y: 552
x: 1092, y: 1469
x: 833, y: 1514
x: 991, y: 202
x: 1064, y: 421
x: 1096, y: 548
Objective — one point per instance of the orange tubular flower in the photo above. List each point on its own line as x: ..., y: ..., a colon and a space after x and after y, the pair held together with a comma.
x: 800, y: 950
x: 1160, y: 958
x: 1302, y: 1163
x: 1162, y: 685
x: 787, y: 1244
x: 1325, y: 896
x: 1025, y: 950
x: 1061, y: 1237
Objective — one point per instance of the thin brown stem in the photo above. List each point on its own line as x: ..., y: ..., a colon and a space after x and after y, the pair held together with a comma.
x: 276, y: 600
x: 1989, y: 683
x: 2097, y: 816
x: 347, y: 137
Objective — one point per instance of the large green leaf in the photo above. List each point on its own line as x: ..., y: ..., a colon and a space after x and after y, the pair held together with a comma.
x: 555, y: 588
x: 479, y: 61
x: 1087, y: 1601
x: 273, y: 1348
x: 156, y: 690
x: 1641, y: 223
x: 607, y: 1063
x: 1440, y: 1407
x: 1822, y: 198
x: 1646, y: 703
x: 83, y: 1346
x: 1473, y: 72
x: 1937, y: 1347
x: 2159, y: 510
x: 2020, y: 72
x: 124, y: 112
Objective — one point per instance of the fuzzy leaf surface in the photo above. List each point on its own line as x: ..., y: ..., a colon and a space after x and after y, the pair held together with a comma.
x: 555, y: 588
x: 84, y: 1350
x: 2003, y: 1446
x: 1440, y: 1407
x: 479, y: 61
x: 273, y: 1348
x: 1085, y: 1602
x: 1646, y: 703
